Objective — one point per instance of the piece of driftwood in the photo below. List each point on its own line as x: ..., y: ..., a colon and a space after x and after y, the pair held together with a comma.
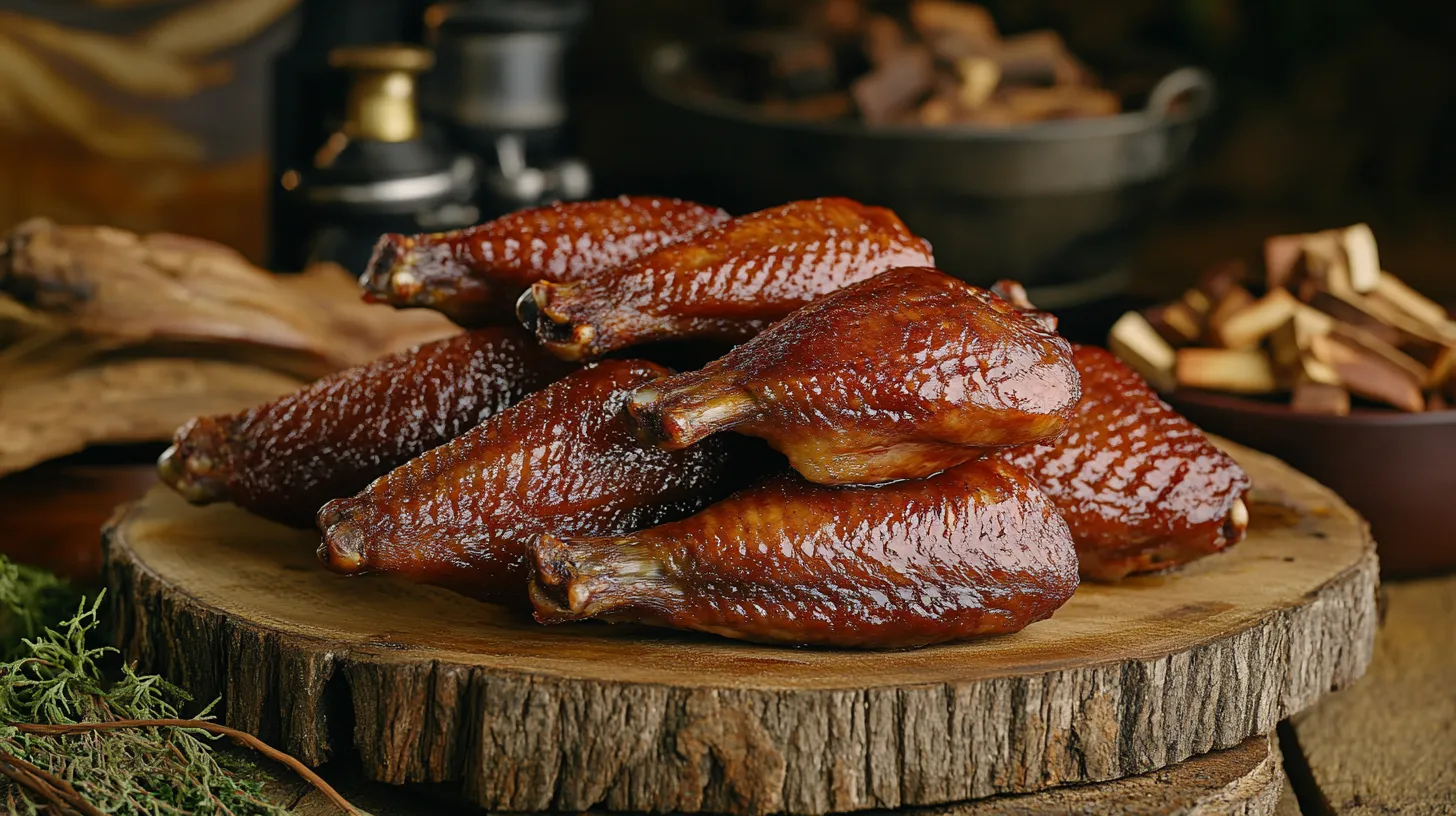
x: 428, y: 686
x: 361, y: 331
x: 1246, y: 780
x: 128, y: 400
x: 119, y: 289
x: 1388, y: 744
x: 82, y: 307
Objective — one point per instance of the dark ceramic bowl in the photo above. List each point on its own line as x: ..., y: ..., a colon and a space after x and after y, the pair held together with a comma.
x: 1398, y: 470
x: 1059, y: 206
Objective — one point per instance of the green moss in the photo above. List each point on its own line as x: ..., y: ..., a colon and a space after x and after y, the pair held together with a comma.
x: 53, y: 676
x: 29, y: 599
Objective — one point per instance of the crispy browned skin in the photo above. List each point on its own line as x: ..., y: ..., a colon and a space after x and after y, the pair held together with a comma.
x: 462, y: 514
x: 897, y: 377
x: 977, y: 550
x: 474, y: 275
x: 726, y: 283
x: 284, y: 459
x: 1140, y: 486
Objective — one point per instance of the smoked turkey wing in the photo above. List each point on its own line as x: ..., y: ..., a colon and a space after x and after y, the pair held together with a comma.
x: 462, y: 514
x: 726, y: 283
x: 896, y: 377
x: 474, y: 275
x: 976, y: 550
x: 284, y: 459
x: 1140, y: 486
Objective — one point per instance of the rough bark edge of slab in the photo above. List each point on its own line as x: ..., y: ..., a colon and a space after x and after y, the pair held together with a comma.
x: 518, y: 742
x: 1220, y: 783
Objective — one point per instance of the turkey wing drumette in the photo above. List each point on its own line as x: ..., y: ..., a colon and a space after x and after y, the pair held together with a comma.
x: 1140, y: 486
x: 461, y: 515
x: 977, y: 550
x: 474, y: 275
x: 284, y: 459
x: 726, y: 283
x: 896, y: 377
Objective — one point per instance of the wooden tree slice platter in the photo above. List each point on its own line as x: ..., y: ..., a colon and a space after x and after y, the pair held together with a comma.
x: 429, y: 686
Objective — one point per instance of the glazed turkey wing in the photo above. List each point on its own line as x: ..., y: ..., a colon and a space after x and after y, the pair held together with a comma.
x: 1140, y: 486
x: 977, y: 550
x: 462, y: 514
x: 726, y: 283
x: 896, y: 377
x: 284, y: 459
x: 474, y: 275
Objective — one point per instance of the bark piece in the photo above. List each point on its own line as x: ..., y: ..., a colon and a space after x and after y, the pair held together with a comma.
x: 1312, y: 397
x: 1232, y: 302
x: 1242, y: 372
x: 1245, y: 328
x: 1282, y: 259
x: 120, y: 289
x: 123, y: 401
x: 1386, y: 745
x: 1369, y: 375
x: 890, y: 91
x: 1394, y: 291
x: 1134, y: 340
x: 1291, y: 348
x: 1362, y: 258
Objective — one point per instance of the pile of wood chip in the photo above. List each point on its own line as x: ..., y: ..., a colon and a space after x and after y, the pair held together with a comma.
x: 931, y: 62
x: 1329, y: 324
x: 110, y: 337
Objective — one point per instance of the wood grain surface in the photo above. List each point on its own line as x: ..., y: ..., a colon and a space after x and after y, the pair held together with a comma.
x: 1388, y: 743
x: 1246, y: 780
x: 429, y: 686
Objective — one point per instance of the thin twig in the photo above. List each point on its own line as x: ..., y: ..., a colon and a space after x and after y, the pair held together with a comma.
x: 66, y: 790
x: 34, y: 785
x: 10, y: 767
x: 241, y: 737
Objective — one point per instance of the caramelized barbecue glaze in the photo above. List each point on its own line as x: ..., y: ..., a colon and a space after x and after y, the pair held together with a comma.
x: 726, y: 283
x: 462, y: 514
x: 1140, y: 486
x: 896, y: 377
x: 474, y: 275
x: 284, y: 459
x: 977, y: 550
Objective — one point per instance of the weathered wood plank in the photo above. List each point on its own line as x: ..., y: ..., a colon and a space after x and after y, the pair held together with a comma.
x: 1388, y: 743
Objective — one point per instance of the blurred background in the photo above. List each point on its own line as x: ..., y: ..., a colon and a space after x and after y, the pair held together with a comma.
x: 203, y: 116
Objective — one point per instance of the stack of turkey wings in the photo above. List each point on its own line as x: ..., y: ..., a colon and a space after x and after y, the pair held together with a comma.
x: 887, y: 458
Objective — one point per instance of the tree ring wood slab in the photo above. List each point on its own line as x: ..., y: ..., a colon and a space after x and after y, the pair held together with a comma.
x: 429, y: 686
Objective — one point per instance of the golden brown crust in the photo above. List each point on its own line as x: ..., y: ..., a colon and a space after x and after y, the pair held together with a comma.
x: 896, y: 377
x: 461, y: 515
x: 474, y: 275
x: 1141, y: 487
x: 975, y: 551
x: 284, y: 459
x: 725, y: 283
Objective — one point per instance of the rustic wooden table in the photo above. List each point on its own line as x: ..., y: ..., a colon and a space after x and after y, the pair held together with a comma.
x: 1387, y: 745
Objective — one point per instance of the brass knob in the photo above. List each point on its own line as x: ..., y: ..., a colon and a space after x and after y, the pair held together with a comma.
x: 381, y: 105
